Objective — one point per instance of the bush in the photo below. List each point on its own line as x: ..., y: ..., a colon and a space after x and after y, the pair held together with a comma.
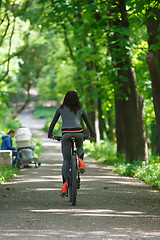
x: 149, y: 173
x: 106, y: 152
x: 48, y: 113
x: 44, y: 112
x: 103, y: 152
x: 7, y: 173
x: 57, y: 129
x: 38, y: 149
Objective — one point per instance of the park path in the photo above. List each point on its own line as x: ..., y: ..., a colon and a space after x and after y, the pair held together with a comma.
x: 109, y: 206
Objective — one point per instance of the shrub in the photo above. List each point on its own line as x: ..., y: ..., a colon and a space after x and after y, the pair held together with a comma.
x: 106, y: 152
x: 44, y: 112
x: 38, y: 148
x: 7, y: 173
x: 48, y: 113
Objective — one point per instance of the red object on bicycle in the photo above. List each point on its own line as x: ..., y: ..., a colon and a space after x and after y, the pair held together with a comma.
x: 81, y: 166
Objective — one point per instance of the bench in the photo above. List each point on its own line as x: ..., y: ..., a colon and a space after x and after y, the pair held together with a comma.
x: 5, y: 158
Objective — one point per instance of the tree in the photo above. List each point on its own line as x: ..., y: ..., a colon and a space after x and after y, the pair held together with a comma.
x: 75, y: 19
x: 10, y: 12
x: 85, y: 45
x: 16, y: 32
x: 130, y: 129
x: 153, y: 56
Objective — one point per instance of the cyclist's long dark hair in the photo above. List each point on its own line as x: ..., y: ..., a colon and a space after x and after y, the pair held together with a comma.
x: 71, y: 100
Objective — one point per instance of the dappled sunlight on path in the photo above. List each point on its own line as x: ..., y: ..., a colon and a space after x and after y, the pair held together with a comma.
x: 118, y: 233
x: 109, y: 206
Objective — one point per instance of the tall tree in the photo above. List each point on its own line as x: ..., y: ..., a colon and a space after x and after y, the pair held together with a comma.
x: 130, y: 129
x: 153, y: 56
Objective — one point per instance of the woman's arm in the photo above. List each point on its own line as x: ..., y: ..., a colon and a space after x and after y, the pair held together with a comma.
x: 87, y: 122
x: 53, y: 123
x: 9, y: 144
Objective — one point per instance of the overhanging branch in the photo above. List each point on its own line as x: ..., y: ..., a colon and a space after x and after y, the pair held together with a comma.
x: 68, y: 43
x: 9, y: 50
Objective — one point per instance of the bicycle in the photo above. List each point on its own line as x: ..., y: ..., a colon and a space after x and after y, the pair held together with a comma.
x: 74, y: 173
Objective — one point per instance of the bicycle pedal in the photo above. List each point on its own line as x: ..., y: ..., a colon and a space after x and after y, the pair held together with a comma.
x: 63, y: 194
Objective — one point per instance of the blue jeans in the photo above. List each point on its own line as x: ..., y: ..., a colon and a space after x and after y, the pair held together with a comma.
x: 15, y: 159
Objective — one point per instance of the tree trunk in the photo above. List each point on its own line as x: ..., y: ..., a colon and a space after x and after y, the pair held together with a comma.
x: 153, y: 60
x: 130, y: 130
x: 154, y: 138
x: 154, y: 67
x: 100, y: 119
x: 126, y: 127
x: 140, y: 131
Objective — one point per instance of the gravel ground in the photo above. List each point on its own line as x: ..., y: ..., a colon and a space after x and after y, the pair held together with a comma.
x: 109, y: 206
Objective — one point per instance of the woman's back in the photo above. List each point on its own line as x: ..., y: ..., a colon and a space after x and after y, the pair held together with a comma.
x: 69, y: 118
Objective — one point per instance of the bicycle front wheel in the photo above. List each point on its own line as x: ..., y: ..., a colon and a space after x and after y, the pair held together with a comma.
x: 74, y: 181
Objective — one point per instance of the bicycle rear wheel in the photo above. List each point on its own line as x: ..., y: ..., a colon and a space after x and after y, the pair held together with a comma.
x: 74, y: 181
x: 70, y: 184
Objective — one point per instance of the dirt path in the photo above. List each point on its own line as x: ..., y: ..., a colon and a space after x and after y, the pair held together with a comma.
x: 109, y: 206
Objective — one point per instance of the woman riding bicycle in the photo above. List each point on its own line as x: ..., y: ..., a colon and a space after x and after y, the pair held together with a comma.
x: 71, y: 112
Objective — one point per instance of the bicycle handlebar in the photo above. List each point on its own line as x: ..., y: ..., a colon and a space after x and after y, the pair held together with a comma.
x: 58, y: 138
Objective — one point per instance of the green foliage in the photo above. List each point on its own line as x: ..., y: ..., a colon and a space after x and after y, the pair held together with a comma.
x: 48, y: 114
x: 57, y: 73
x: 148, y: 172
x: 38, y: 148
x: 103, y: 152
x: 106, y: 153
x: 57, y: 129
x: 62, y: 45
x: 21, y: 49
x: 13, y: 124
x: 5, y: 126
x: 8, y: 173
x: 44, y: 112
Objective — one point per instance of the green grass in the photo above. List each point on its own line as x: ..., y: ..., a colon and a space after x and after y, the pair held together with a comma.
x: 44, y: 112
x: 148, y: 172
x: 7, y: 173
x: 103, y: 152
x: 106, y: 152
